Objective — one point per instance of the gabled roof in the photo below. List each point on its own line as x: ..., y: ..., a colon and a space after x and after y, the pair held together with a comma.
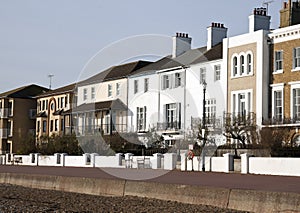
x: 29, y: 91
x: 115, y: 72
x: 58, y: 91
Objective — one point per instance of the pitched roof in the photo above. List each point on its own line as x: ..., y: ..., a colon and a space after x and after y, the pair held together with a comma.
x: 153, y: 67
x: 29, y: 91
x: 185, y: 59
x: 115, y: 72
x: 214, y: 53
x: 58, y: 91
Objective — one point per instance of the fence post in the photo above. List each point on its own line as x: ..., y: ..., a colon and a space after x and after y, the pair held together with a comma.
x: 229, y: 162
x: 245, y: 163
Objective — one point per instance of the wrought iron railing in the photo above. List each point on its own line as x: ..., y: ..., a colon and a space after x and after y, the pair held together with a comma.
x: 105, y: 129
x: 281, y: 121
x: 169, y: 125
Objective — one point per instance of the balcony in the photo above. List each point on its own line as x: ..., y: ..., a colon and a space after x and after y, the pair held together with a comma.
x: 93, y: 129
x: 3, y: 133
x: 281, y: 121
x: 212, y: 123
x: 3, y: 112
x: 169, y: 126
x: 239, y: 119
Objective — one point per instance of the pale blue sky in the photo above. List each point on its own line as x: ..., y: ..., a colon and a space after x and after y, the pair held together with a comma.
x: 60, y: 36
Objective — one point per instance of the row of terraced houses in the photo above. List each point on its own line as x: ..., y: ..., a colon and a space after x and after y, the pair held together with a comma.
x: 257, y: 72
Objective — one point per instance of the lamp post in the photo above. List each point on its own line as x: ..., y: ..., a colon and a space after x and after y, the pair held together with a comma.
x: 203, y: 127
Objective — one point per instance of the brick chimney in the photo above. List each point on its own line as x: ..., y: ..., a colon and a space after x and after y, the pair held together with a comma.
x: 181, y: 43
x: 215, y: 34
x: 259, y: 20
x: 290, y: 13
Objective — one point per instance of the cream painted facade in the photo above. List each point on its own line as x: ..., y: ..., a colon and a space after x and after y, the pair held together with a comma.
x: 51, y: 119
x: 247, y: 58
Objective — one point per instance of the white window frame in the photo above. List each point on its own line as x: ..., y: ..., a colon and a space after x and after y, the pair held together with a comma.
x: 178, y: 79
x: 210, y: 108
x: 84, y: 94
x: 166, y: 81
x: 141, y: 118
x: 109, y: 90
x: 296, y: 59
x: 294, y: 85
x: 118, y: 89
x: 202, y: 75
x: 93, y: 93
x: 136, y: 86
x: 249, y: 64
x: 235, y: 103
x: 277, y: 88
x: 242, y: 67
x: 146, y: 84
x: 278, y: 61
x: 217, y: 69
x: 234, y: 65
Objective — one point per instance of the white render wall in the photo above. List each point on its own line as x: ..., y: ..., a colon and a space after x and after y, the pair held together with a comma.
x: 141, y: 99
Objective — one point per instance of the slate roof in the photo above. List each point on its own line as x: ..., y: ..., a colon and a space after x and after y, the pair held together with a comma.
x: 214, y: 53
x: 192, y: 56
x: 29, y: 91
x: 115, y: 72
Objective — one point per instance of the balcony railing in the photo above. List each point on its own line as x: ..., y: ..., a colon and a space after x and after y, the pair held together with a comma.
x: 3, y: 112
x: 211, y: 123
x: 281, y: 121
x: 239, y: 118
x: 3, y: 133
x: 92, y: 130
x: 169, y: 126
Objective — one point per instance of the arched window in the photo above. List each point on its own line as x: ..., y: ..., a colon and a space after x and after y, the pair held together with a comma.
x: 235, y: 66
x: 242, y: 65
x: 249, y: 63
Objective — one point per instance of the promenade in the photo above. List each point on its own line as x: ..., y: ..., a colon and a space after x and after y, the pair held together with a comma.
x: 254, y: 193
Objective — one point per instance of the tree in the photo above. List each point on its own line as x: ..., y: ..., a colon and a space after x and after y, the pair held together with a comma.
x: 241, y: 127
x: 60, y: 144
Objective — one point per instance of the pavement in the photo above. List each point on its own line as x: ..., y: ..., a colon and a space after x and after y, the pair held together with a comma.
x: 205, y: 179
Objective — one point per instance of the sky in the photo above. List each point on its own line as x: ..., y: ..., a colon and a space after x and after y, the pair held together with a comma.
x: 60, y: 37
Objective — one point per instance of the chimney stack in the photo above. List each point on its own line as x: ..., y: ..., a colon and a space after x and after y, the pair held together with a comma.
x: 290, y: 13
x: 181, y: 43
x: 216, y: 32
x: 259, y: 20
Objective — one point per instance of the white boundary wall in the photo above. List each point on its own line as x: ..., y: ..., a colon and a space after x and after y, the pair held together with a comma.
x: 274, y: 166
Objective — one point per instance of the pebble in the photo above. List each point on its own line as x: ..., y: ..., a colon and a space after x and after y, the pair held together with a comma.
x: 15, y: 198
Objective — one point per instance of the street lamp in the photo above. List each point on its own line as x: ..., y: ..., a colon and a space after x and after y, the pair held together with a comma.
x: 203, y: 127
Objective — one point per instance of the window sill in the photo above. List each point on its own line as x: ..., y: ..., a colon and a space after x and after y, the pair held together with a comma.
x: 241, y: 76
x: 277, y: 72
x: 296, y: 69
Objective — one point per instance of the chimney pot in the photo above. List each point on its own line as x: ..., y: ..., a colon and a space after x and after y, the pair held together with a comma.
x: 222, y: 25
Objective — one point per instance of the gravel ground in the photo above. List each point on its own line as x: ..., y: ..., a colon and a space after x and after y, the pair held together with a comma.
x: 20, y: 199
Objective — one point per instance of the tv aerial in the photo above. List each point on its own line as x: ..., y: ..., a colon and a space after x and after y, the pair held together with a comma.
x: 50, y: 76
x: 266, y: 4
